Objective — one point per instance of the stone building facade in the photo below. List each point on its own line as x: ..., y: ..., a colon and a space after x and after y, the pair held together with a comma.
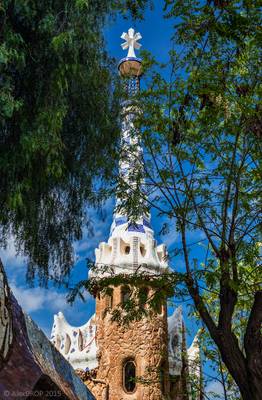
x: 121, y: 344
x: 147, y: 358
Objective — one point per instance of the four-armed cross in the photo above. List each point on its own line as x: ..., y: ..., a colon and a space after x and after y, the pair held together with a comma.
x: 131, y: 42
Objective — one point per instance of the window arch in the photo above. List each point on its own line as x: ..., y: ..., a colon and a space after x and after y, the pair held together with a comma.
x: 127, y: 249
x: 159, y: 304
x: 110, y: 300
x: 125, y: 294
x: 129, y: 376
x: 143, y: 296
x: 67, y: 343
x: 142, y: 250
x: 80, y: 341
x: 175, y: 341
x: 58, y: 342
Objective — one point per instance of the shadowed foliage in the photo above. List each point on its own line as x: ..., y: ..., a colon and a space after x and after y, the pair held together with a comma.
x: 58, y: 126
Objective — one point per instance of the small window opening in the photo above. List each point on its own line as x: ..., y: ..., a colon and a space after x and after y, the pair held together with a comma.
x: 143, y: 251
x: 175, y: 341
x: 67, y: 343
x: 159, y: 308
x: 126, y: 294
x: 143, y: 296
x: 58, y: 342
x: 127, y: 249
x: 110, y: 301
x: 129, y: 376
x: 80, y: 341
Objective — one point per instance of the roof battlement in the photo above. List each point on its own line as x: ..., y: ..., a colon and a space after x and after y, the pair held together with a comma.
x: 76, y: 344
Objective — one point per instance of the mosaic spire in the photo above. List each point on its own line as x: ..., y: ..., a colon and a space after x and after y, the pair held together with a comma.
x: 131, y: 244
x: 131, y: 168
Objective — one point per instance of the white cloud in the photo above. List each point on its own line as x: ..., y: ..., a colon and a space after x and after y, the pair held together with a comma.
x: 35, y: 299
x: 82, y: 246
x: 214, y: 390
x: 9, y: 256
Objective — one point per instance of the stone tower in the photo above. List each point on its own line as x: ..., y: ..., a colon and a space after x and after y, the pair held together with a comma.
x: 143, y: 360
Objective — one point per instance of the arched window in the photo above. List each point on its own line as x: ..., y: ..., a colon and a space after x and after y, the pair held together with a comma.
x: 127, y: 249
x: 58, y: 342
x: 125, y: 294
x: 143, y: 296
x: 129, y: 376
x: 142, y: 250
x: 175, y: 341
x: 110, y: 300
x: 159, y: 308
x: 67, y: 343
x: 80, y: 341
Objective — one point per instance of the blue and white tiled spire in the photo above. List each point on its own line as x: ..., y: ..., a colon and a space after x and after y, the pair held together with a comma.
x: 131, y: 169
x: 131, y: 245
x: 131, y: 164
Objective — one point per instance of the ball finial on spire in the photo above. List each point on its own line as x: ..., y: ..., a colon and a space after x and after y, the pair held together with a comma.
x: 130, y: 66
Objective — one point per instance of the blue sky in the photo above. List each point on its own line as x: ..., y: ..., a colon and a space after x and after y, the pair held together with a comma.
x: 155, y: 30
x: 42, y: 304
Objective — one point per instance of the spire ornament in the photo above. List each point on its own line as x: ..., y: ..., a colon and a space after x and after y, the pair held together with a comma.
x: 130, y: 66
x: 131, y: 42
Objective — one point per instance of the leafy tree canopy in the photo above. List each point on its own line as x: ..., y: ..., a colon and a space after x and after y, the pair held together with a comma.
x: 58, y: 125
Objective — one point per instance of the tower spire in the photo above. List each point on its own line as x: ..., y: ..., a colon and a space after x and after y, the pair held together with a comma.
x: 131, y: 168
x: 131, y: 243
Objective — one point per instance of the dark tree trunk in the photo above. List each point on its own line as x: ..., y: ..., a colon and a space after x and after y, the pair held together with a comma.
x: 245, y: 375
x: 235, y: 362
x: 253, y: 346
x: 246, y: 370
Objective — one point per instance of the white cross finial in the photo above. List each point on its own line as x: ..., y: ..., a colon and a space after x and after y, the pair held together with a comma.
x: 131, y: 42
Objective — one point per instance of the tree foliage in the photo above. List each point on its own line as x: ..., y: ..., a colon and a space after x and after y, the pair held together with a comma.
x: 58, y: 125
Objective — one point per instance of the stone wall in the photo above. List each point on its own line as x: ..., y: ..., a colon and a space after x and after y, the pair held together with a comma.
x: 143, y: 341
